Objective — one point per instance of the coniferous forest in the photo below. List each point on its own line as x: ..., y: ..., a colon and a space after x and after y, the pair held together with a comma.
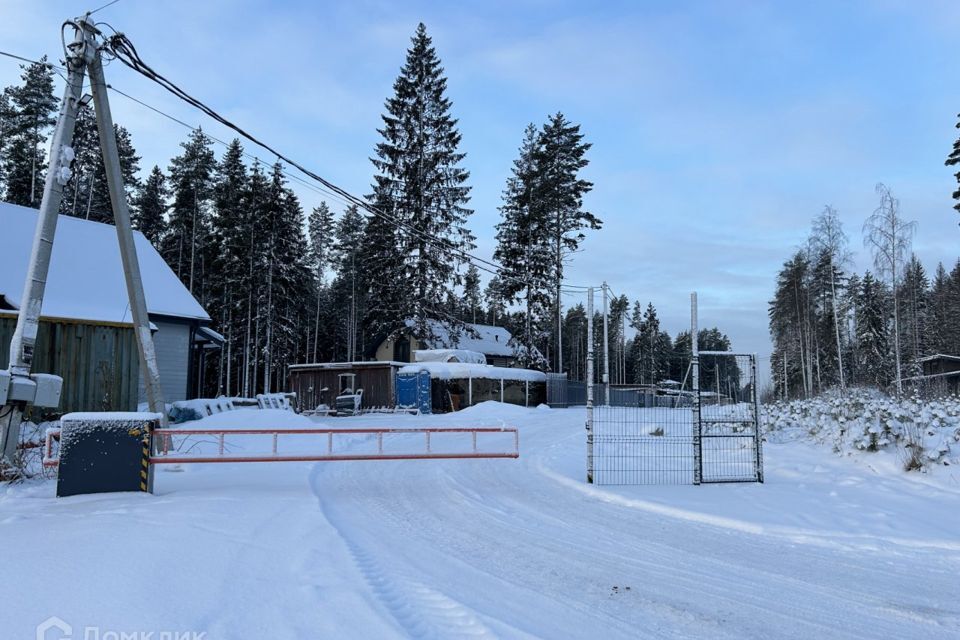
x: 284, y: 285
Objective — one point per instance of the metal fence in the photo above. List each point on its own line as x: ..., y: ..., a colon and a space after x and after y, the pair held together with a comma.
x: 705, y: 431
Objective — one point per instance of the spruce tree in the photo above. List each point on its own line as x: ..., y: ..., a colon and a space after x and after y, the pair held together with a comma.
x: 523, y: 247
x: 940, y: 329
x: 7, y: 117
x: 420, y: 183
x: 321, y: 227
x: 953, y: 160
x: 560, y: 157
x: 913, y: 326
x: 873, y: 331
x: 346, y: 256
x: 35, y: 107
x: 187, y: 247
x: 471, y: 294
x: 149, y: 212
x: 229, y: 231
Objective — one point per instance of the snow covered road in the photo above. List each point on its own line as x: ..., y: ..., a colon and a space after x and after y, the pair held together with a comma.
x: 827, y: 548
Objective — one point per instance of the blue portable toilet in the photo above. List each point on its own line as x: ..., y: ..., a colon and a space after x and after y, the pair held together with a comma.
x: 413, y: 391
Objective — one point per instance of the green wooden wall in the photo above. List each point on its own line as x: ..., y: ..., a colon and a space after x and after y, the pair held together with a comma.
x: 98, y: 363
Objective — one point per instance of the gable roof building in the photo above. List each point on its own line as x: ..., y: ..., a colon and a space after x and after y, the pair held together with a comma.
x: 86, y: 331
x: 493, y: 342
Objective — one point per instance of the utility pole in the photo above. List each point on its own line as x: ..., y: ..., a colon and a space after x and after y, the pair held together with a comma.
x: 606, y: 348
x: 82, y: 55
x: 149, y: 371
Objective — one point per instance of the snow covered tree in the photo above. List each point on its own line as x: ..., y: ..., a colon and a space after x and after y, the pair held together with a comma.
x: 953, y: 160
x: 791, y: 328
x: 187, y: 245
x: 230, y: 229
x: 150, y: 207
x: 286, y: 272
x: 7, y: 121
x: 889, y: 238
x: 941, y: 330
x: 420, y: 183
x: 494, y: 298
x: 873, y: 331
x: 471, y: 294
x: 829, y: 241
x: 321, y: 227
x: 560, y: 156
x: 913, y: 295
x: 34, y: 113
x: 523, y: 246
x: 347, y: 295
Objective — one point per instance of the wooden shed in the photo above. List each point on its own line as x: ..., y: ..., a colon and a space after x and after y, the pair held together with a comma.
x: 86, y: 330
x: 377, y: 379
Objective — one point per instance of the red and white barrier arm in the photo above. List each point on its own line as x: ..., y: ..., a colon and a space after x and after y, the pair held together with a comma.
x: 165, y: 436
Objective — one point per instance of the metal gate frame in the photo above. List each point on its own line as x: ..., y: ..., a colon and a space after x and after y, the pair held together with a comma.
x: 703, y: 432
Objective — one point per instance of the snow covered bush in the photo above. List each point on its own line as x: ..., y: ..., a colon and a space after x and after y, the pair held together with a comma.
x: 925, y: 432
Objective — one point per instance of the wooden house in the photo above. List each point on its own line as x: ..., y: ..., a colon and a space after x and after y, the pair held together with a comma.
x: 86, y: 332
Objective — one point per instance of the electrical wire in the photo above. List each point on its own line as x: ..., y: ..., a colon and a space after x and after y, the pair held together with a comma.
x: 109, y: 4
x: 121, y: 48
x: 327, y: 189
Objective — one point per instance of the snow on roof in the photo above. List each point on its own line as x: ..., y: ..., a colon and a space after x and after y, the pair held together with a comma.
x: 86, y: 277
x: 464, y: 370
x: 488, y: 340
x: 449, y: 355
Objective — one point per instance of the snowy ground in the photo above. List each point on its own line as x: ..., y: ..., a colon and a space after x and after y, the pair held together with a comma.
x: 828, y: 547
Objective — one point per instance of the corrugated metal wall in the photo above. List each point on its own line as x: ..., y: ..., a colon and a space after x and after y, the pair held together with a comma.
x: 98, y: 363
x: 171, y: 342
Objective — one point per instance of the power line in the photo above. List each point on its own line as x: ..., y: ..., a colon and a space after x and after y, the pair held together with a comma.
x: 327, y: 189
x: 109, y: 4
x: 123, y: 49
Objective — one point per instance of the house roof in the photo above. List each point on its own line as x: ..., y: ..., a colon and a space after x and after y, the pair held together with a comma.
x: 487, y: 339
x: 86, y: 276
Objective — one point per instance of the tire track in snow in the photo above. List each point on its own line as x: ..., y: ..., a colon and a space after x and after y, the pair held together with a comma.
x: 421, y: 611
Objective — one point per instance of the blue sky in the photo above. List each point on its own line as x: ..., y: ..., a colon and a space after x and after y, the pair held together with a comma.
x: 720, y: 129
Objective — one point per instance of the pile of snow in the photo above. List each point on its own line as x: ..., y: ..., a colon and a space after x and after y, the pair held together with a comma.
x: 924, y: 431
x: 464, y: 370
x: 449, y: 355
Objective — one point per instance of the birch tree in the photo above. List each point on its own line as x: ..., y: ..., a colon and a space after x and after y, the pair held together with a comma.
x: 889, y: 238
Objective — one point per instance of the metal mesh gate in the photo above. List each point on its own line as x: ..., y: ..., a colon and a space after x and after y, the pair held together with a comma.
x: 729, y: 435
x: 702, y: 431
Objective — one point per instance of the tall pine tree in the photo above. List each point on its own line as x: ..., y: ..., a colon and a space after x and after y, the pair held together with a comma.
x: 34, y: 105
x: 149, y: 212
x: 560, y: 156
x: 419, y: 182
x: 187, y: 247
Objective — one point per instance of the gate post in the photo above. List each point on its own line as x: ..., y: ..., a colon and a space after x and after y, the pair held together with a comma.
x: 590, y: 385
x: 758, y: 442
x: 695, y: 385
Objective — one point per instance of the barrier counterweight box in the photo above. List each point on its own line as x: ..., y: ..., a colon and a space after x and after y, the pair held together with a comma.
x: 105, y: 452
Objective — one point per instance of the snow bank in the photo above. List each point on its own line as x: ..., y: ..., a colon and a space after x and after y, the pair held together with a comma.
x: 859, y: 420
x: 464, y: 370
x: 261, y: 419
